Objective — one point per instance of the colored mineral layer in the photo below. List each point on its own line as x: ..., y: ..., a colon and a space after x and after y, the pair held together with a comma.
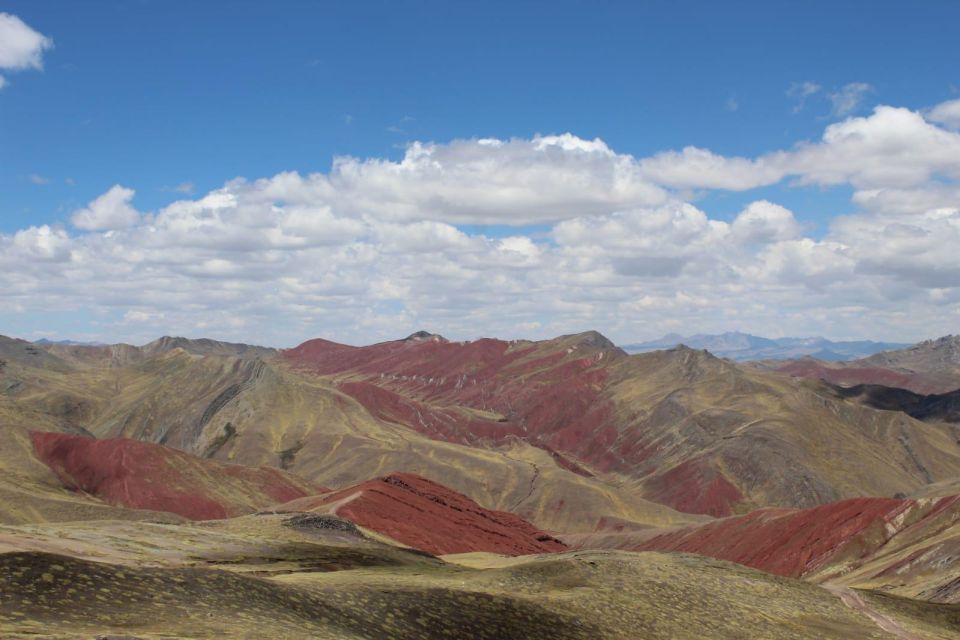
x: 428, y: 516
x: 142, y: 475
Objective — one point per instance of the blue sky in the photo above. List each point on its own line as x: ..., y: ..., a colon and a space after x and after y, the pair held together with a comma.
x: 175, y: 99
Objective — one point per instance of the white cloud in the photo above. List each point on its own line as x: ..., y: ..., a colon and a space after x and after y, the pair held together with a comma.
x: 800, y: 91
x: 946, y: 113
x: 42, y: 243
x: 700, y: 168
x: 801, y: 261
x: 20, y: 46
x: 922, y: 198
x: 186, y: 188
x: 848, y: 98
x: 891, y: 148
x: 37, y: 179
x: 764, y: 221
x: 372, y: 249
x: 111, y: 210
x: 515, y: 181
x: 917, y: 249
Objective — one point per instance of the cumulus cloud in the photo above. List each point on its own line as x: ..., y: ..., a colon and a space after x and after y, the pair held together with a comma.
x: 20, y: 46
x: 42, y: 243
x: 946, y: 113
x: 764, y: 221
x: 111, y: 210
x: 890, y: 200
x: 891, y: 148
x: 702, y: 169
x: 919, y: 249
x: 377, y: 248
x: 487, y: 181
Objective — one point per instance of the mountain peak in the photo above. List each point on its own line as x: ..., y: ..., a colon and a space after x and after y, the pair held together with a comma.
x: 591, y: 338
x: 424, y: 336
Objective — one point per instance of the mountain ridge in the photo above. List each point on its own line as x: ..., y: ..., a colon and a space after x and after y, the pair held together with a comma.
x: 746, y: 347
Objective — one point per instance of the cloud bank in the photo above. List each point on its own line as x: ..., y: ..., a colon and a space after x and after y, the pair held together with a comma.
x: 376, y: 248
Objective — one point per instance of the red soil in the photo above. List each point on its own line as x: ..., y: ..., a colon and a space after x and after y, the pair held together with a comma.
x: 852, y: 376
x: 428, y: 516
x: 694, y: 487
x: 479, y: 359
x: 440, y: 423
x: 794, y: 542
x: 546, y: 393
x: 142, y: 475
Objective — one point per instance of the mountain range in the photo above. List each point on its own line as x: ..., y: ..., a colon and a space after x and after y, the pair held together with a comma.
x: 490, y: 488
x: 744, y: 347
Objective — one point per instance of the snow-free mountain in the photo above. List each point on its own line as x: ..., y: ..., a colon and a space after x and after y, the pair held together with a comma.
x: 744, y: 346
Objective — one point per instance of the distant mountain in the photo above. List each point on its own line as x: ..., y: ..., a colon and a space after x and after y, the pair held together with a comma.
x: 68, y: 343
x: 205, y: 347
x: 928, y: 367
x: 743, y: 346
x: 941, y: 355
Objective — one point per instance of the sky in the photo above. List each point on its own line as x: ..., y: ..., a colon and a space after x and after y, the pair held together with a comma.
x: 273, y: 172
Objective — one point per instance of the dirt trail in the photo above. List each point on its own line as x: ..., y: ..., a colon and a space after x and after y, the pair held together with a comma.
x: 853, y: 600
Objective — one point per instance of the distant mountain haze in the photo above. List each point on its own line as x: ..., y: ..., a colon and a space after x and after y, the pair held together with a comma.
x: 744, y: 346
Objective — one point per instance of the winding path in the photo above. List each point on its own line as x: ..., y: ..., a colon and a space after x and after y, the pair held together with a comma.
x: 853, y: 600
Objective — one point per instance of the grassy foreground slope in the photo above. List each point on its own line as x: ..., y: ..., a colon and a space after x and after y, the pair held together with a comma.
x: 572, y: 595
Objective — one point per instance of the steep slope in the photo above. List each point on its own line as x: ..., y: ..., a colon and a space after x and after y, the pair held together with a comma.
x: 205, y: 347
x: 405, y: 507
x: 906, y: 546
x: 929, y: 367
x: 140, y: 475
x: 939, y: 407
x: 939, y: 356
x: 571, y: 433
x: 852, y: 374
x: 692, y: 431
x: 36, y: 398
x: 16, y: 351
x: 428, y: 516
x: 706, y: 430
x: 258, y: 412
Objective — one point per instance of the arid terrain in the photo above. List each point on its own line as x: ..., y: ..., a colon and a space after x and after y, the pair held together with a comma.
x: 422, y: 488
x: 437, y: 320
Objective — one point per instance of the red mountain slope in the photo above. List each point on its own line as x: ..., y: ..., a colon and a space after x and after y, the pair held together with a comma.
x: 694, y: 431
x: 798, y: 542
x: 428, y: 516
x: 548, y: 393
x: 142, y: 475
